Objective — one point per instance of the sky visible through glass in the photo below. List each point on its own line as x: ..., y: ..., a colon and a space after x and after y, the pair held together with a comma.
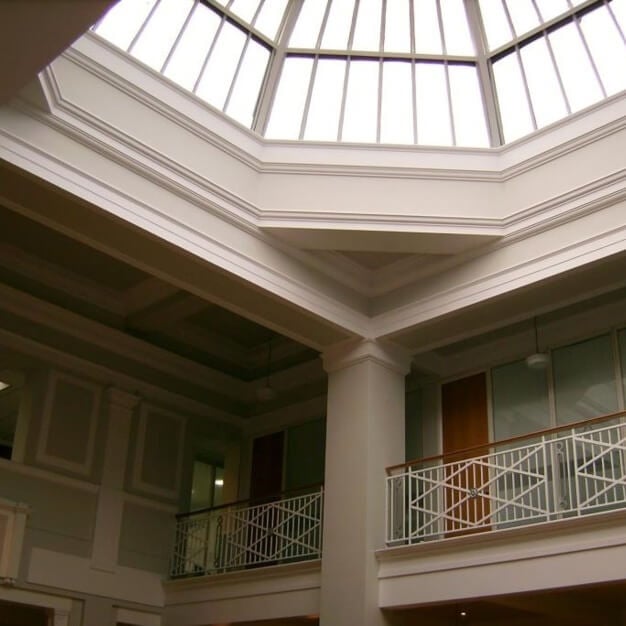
x: 383, y: 71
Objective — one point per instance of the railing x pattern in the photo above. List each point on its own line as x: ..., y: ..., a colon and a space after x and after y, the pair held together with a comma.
x: 561, y: 473
x: 239, y: 536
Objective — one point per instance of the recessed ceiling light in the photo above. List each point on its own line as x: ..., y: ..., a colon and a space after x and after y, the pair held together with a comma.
x: 219, y: 482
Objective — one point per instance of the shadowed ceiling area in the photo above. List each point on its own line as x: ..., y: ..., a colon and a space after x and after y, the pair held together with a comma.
x: 69, y: 274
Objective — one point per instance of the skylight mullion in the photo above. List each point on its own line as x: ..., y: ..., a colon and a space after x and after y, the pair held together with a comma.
x: 615, y: 21
x: 257, y: 13
x: 485, y: 75
x: 355, y: 13
x: 446, y: 74
x: 320, y: 35
x: 236, y: 74
x: 307, y: 101
x: 170, y: 54
x: 442, y: 34
x: 239, y: 23
x: 218, y: 32
x: 381, y: 47
x: 450, y: 108
x: 413, y: 82
x: 531, y: 108
x: 516, y: 51
x: 143, y: 26
x: 275, y: 66
x: 558, y: 75
x: 342, y: 111
x: 589, y: 55
x: 344, y: 95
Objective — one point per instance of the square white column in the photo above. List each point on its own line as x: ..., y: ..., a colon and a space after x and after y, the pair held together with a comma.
x: 365, y: 434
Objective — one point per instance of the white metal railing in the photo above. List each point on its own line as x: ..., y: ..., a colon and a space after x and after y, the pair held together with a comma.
x: 557, y: 474
x: 239, y: 535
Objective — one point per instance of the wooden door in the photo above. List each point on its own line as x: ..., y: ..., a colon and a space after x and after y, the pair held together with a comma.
x: 267, y: 466
x: 464, y: 425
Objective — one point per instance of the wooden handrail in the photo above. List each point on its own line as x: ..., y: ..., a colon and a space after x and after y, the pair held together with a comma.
x: 256, y: 501
x: 492, y: 444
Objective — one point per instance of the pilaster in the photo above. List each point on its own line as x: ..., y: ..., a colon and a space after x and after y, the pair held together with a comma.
x: 119, y: 407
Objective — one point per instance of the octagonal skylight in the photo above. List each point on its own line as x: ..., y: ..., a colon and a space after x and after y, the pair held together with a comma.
x: 429, y: 72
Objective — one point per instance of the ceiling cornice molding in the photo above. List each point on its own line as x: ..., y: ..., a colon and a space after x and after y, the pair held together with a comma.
x: 582, y: 249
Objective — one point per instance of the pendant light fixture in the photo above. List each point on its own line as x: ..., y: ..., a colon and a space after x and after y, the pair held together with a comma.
x: 538, y: 360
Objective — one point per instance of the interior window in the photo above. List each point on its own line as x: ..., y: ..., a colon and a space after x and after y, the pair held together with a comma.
x: 207, y: 485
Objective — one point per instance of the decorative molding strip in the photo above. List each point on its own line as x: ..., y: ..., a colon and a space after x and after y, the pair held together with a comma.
x: 139, y: 483
x: 43, y: 454
x: 12, y: 527
x: 48, y: 475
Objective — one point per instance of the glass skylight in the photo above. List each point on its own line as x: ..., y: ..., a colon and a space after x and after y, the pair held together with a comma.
x: 411, y: 72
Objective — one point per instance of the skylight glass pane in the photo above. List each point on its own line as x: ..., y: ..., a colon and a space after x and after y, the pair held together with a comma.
x: 397, y: 27
x: 523, y: 15
x: 248, y: 83
x: 270, y: 17
x: 455, y: 28
x: 123, y: 21
x: 584, y: 380
x: 308, y: 26
x: 579, y: 79
x: 427, y: 32
x: 618, y: 7
x: 323, y: 120
x: 220, y: 69
x: 514, y: 112
x: 245, y: 9
x: 607, y: 48
x: 338, y: 25
x: 543, y: 85
x: 433, y: 110
x: 551, y: 8
x: 467, y: 106
x: 286, y: 116
x: 497, y: 27
x: 367, y: 29
x: 361, y: 111
x: 396, y: 123
x: 194, y: 45
x: 159, y: 35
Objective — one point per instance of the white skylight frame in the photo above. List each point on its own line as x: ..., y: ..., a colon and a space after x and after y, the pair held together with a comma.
x: 418, y: 93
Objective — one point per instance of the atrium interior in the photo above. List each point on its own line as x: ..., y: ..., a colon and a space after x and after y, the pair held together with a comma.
x: 313, y: 312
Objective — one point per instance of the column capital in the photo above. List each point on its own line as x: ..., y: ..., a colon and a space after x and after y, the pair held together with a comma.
x: 122, y: 399
x: 354, y: 351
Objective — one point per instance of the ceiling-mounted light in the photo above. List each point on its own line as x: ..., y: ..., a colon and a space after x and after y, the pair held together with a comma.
x: 538, y: 360
x: 267, y: 392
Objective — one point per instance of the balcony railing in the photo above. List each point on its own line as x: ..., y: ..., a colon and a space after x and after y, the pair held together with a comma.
x: 244, y: 535
x: 549, y: 475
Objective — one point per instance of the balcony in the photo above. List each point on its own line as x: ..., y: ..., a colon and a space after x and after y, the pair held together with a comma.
x: 246, y: 535
x: 567, y: 472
